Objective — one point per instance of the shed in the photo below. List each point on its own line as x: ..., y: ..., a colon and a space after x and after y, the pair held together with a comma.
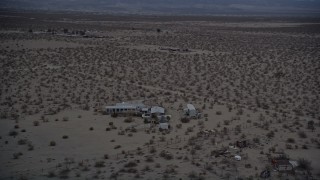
x: 190, y: 111
x: 237, y: 157
x: 163, y: 126
x: 283, y: 165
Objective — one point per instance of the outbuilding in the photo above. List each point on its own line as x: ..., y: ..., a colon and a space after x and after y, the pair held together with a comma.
x: 237, y: 157
x: 156, y: 110
x: 283, y: 165
x: 191, y: 111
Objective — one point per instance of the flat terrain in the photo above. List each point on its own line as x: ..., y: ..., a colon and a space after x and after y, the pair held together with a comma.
x: 253, y: 78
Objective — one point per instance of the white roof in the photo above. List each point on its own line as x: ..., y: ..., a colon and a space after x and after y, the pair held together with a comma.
x: 122, y: 107
x: 157, y: 109
x: 130, y: 104
x: 126, y: 105
x: 191, y: 107
x: 294, y: 163
x: 237, y: 157
x: 164, y: 125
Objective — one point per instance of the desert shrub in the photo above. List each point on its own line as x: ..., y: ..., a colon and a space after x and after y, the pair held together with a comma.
x: 270, y: 134
x: 193, y: 152
x: 302, y: 134
x: 247, y: 166
x: 52, y: 143
x: 213, y: 141
x: 162, y: 138
x: 117, y: 147
x: 185, y: 120
x: 30, y: 147
x: 133, y: 130
x: 304, y: 146
x: 132, y: 170
x: 200, y: 123
x: 151, y: 141
x: 158, y: 165
x: 108, y: 129
x: 36, y: 123
x: 110, y: 123
x: 218, y: 113
x: 114, y: 176
x: 65, y: 137
x: 149, y: 159
x: 146, y: 168
x: 272, y: 149
x: 226, y: 122
x: 288, y: 146
x: 256, y: 140
x: 51, y: 174
x: 192, y: 175
x: 197, y: 147
x: 304, y: 164
x: 99, y: 164
x: 190, y: 129
x: 310, y: 125
x: 106, y: 156
x: 16, y: 126
x: 121, y: 133
x: 153, y: 149
x: 237, y: 129
x: 13, y: 133
x: 17, y: 155
x: 65, y: 118
x: 130, y: 164
x: 178, y: 126
x: 129, y: 120
x: 291, y: 140
x: 64, y: 173
x: 22, y: 141
x: 114, y: 115
x: 91, y: 128
x: 166, y: 155
x: 23, y: 130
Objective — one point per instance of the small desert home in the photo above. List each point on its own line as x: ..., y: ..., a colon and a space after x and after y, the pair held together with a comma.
x: 191, y: 111
x: 284, y: 165
x: 163, y: 123
x: 125, y: 107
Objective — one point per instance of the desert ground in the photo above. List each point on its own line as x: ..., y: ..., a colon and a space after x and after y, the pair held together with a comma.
x: 254, y: 79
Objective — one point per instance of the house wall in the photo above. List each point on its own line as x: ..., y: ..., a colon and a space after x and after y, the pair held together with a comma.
x: 284, y: 167
x: 192, y: 113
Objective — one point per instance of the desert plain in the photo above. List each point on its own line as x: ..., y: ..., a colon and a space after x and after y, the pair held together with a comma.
x: 254, y: 79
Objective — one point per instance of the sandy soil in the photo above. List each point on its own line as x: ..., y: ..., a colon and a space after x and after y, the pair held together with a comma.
x: 252, y: 80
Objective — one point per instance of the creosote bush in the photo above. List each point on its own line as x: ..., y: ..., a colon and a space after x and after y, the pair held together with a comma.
x: 185, y: 120
x: 52, y: 143
x: 13, y: 133
x: 36, y: 123
x: 99, y: 164
x: 302, y: 134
